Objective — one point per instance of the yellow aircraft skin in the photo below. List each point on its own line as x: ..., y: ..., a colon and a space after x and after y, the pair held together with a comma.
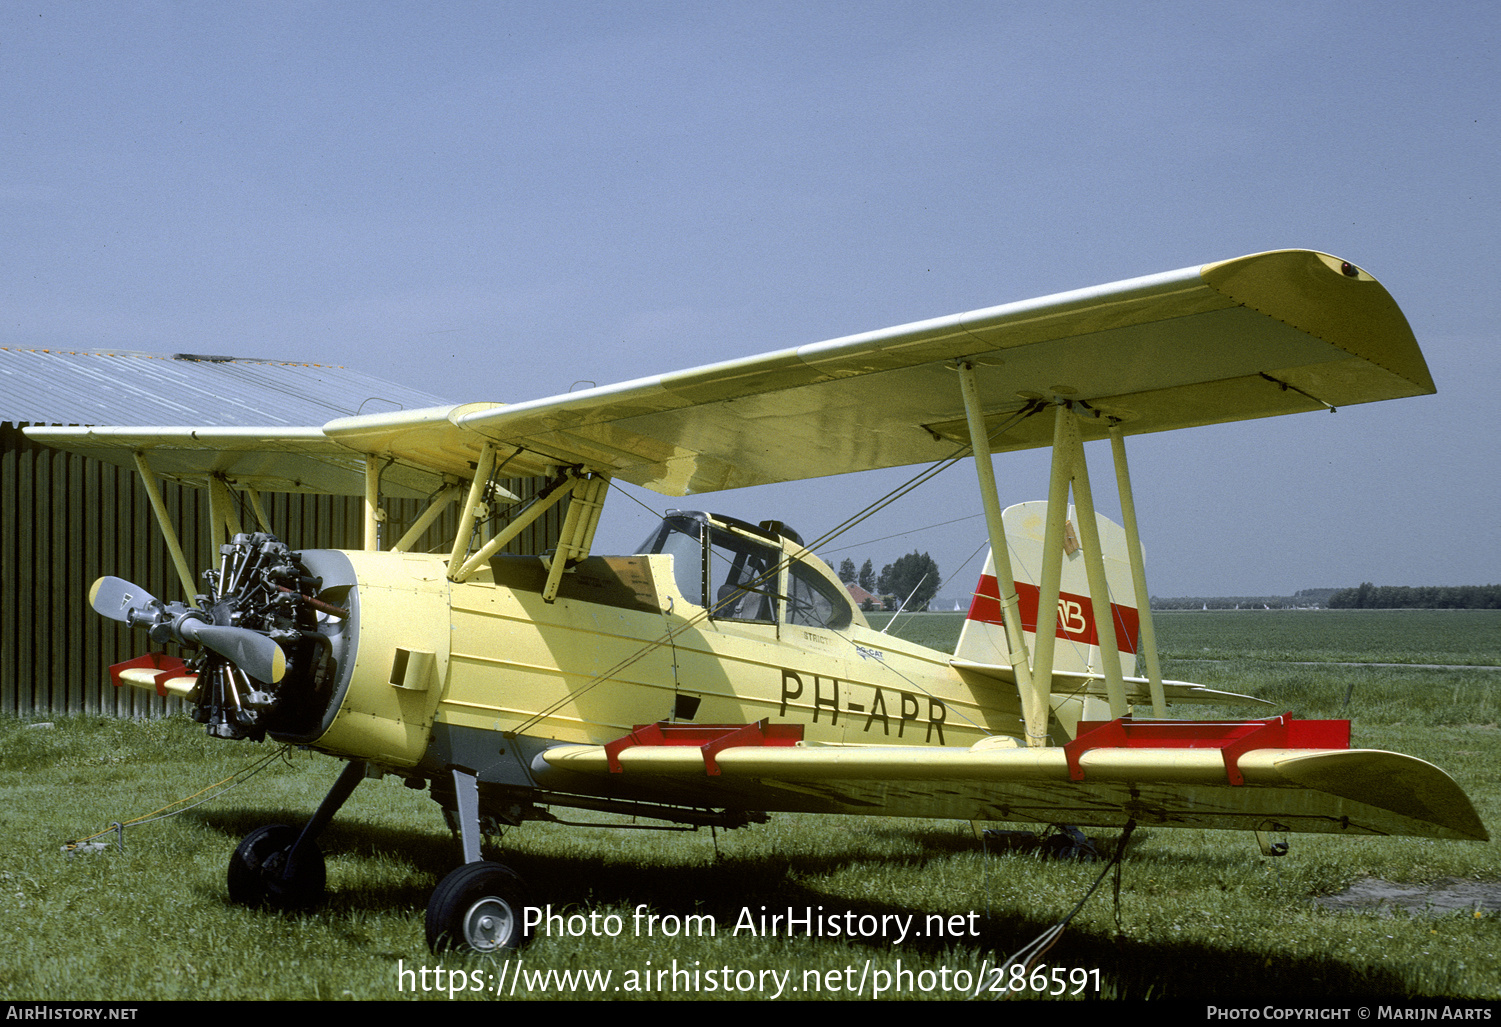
x: 510, y: 654
x: 623, y: 646
x: 510, y: 684
x: 487, y: 678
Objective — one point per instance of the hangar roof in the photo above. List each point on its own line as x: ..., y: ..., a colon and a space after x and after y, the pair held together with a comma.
x: 120, y: 387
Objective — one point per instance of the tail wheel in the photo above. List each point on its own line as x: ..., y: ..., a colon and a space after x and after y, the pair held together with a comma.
x: 476, y: 908
x: 259, y: 874
x: 1070, y: 843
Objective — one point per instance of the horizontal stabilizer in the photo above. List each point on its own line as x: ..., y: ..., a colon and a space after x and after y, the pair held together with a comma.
x: 1074, y: 683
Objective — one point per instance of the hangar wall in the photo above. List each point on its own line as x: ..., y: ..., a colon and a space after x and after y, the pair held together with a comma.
x: 65, y: 520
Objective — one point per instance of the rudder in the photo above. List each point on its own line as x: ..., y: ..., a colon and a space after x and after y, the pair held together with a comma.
x: 983, y: 638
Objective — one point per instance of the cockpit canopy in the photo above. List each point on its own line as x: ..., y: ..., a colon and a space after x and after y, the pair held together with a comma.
x: 743, y: 572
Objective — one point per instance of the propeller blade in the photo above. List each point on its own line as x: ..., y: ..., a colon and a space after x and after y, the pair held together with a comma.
x: 254, y: 653
x: 117, y: 598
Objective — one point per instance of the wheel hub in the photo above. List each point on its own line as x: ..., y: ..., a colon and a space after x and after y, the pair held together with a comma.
x: 487, y: 924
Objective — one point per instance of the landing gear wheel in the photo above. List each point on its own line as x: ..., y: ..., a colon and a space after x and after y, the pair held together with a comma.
x: 1069, y: 843
x: 476, y: 908
x: 258, y: 870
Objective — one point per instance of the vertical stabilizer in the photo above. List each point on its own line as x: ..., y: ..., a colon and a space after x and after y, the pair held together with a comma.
x: 983, y: 639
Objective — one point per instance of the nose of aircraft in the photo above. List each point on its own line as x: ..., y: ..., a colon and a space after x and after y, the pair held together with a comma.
x: 254, y: 652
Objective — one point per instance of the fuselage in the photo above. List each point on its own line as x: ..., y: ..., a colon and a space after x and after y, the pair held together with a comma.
x: 754, y: 628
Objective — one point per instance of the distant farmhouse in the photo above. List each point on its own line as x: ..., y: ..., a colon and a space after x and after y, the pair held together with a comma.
x: 863, y: 599
x: 66, y: 520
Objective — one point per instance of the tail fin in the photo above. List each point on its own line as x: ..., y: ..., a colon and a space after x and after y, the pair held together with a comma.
x: 983, y: 639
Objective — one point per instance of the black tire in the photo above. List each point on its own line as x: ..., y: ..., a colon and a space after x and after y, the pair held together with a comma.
x: 477, y: 908
x: 257, y: 870
x: 1070, y: 843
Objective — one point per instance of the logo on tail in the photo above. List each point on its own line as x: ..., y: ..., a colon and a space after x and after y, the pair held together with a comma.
x: 983, y: 639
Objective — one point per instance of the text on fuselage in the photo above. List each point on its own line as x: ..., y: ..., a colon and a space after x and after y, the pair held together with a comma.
x: 904, y: 707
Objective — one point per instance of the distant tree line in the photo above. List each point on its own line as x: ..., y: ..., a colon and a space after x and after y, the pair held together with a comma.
x: 1366, y: 597
x: 1302, y: 599
x: 915, y: 575
x: 1422, y: 597
x: 1234, y: 603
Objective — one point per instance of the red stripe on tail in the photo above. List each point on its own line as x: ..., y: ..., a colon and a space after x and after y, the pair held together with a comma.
x: 1075, y: 614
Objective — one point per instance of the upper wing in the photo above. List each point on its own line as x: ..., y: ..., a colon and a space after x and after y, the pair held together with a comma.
x: 1252, y: 337
x: 1348, y: 791
x: 1256, y: 336
x: 433, y: 451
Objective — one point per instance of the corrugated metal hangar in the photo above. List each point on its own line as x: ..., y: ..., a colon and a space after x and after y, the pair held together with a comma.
x: 66, y: 520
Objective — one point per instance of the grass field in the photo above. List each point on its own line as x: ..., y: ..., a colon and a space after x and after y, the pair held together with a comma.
x: 1202, y: 915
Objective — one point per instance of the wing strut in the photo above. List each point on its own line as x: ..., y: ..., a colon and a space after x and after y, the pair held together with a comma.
x: 224, y: 524
x: 374, y: 515
x: 260, y: 510
x: 1052, y: 554
x: 477, y: 484
x: 434, y: 510
x: 159, y: 507
x: 1070, y: 468
x: 578, y: 529
x: 1094, y: 568
x: 1138, y: 573
x: 1034, y: 702
x: 544, y: 501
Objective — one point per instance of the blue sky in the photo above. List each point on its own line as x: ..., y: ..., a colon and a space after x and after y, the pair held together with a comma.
x: 499, y: 200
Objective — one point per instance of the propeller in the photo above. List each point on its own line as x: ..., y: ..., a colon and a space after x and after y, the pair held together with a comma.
x: 119, y: 600
x: 253, y: 652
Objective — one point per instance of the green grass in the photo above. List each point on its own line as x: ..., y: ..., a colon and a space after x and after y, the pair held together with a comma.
x: 1468, y: 637
x: 935, y: 630
x: 1450, y: 637
x: 1203, y: 915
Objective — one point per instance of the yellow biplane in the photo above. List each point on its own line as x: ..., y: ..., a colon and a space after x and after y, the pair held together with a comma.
x: 722, y: 671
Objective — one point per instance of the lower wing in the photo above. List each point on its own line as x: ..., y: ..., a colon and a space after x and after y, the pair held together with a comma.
x: 1338, y: 791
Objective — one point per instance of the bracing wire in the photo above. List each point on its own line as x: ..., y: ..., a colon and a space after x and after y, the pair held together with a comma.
x: 917, y: 480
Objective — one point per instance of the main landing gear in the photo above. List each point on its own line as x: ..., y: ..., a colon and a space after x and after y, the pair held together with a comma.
x: 280, y: 867
x: 476, y: 908
x: 270, y: 869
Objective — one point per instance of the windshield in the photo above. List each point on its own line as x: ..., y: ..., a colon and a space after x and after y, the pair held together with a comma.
x: 681, y: 537
x: 814, y: 602
x: 744, y: 576
x: 740, y: 572
x: 738, y: 577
